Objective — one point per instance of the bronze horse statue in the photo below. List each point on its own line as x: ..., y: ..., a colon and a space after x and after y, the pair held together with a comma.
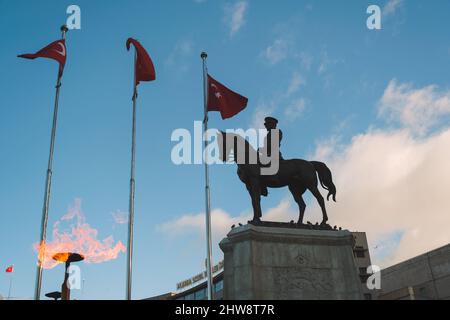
x: 297, y: 174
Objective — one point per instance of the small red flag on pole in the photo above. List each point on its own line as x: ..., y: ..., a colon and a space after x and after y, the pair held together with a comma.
x: 144, y: 69
x: 10, y: 270
x: 222, y: 99
x: 55, y: 50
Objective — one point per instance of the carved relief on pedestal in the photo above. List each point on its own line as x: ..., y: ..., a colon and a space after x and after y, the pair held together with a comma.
x: 302, y: 258
x: 299, y: 283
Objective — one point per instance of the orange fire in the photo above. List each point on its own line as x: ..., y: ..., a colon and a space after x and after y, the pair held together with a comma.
x: 61, y: 256
x: 81, y: 239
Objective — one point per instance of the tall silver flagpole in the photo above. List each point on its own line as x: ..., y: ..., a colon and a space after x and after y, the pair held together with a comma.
x: 207, y: 193
x: 132, y: 183
x: 48, y: 185
x: 10, y: 285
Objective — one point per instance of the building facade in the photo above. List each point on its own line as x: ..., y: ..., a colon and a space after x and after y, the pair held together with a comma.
x: 362, y: 260
x: 425, y: 277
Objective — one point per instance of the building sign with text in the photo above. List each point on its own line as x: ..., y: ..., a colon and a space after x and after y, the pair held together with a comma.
x: 199, y: 277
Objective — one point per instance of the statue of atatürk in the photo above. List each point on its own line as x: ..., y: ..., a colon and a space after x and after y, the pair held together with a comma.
x: 271, y: 125
x: 297, y: 174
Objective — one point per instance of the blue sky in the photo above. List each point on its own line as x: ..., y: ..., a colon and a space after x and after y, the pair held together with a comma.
x: 312, y: 64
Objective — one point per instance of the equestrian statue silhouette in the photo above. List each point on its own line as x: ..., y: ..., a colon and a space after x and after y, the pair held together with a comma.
x: 297, y: 174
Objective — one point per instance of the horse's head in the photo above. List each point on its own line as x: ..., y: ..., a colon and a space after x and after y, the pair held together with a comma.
x: 224, y: 147
x: 232, y: 143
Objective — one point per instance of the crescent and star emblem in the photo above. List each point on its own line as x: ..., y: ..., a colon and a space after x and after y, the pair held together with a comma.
x: 217, y: 94
x: 63, y: 49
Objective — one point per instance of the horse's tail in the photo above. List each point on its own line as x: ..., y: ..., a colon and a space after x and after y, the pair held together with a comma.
x: 325, y: 178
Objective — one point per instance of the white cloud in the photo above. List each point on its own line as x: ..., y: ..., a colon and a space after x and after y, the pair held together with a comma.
x: 390, y: 182
x: 180, y: 50
x: 418, y: 109
x: 324, y: 63
x: 394, y: 184
x: 295, y: 109
x: 277, y: 51
x: 391, y: 7
x: 322, y: 67
x: 235, y: 16
x: 296, y: 81
x: 179, y: 59
x: 120, y: 217
x: 306, y: 60
x: 221, y: 221
x: 268, y: 107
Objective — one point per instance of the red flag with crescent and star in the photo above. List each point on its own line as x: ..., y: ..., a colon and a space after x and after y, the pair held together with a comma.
x: 144, y: 69
x: 55, y: 50
x: 224, y: 100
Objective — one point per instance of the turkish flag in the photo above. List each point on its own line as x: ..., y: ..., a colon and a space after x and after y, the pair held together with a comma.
x: 9, y: 269
x: 55, y: 50
x: 222, y: 99
x: 144, y: 69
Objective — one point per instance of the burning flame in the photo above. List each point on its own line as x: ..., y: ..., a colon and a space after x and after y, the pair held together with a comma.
x: 81, y: 239
x: 61, y: 256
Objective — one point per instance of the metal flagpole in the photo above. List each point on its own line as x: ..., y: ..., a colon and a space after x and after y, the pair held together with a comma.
x: 10, y: 286
x: 48, y: 184
x: 131, y: 204
x: 207, y: 193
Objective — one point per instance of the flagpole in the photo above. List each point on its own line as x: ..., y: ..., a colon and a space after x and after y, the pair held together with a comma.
x: 207, y: 189
x: 48, y: 184
x: 132, y: 187
x: 10, y: 285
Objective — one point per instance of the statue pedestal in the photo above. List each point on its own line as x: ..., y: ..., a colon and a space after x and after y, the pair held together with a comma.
x: 289, y: 263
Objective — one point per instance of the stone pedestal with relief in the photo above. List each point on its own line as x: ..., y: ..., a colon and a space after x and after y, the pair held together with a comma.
x: 267, y: 262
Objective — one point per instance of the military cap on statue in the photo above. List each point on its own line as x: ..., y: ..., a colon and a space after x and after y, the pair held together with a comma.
x: 271, y: 120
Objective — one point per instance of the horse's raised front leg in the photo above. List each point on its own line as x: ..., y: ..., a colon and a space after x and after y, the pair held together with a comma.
x: 254, y: 189
x: 297, y: 192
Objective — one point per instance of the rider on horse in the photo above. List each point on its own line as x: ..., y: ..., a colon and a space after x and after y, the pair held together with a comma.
x: 271, y: 124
